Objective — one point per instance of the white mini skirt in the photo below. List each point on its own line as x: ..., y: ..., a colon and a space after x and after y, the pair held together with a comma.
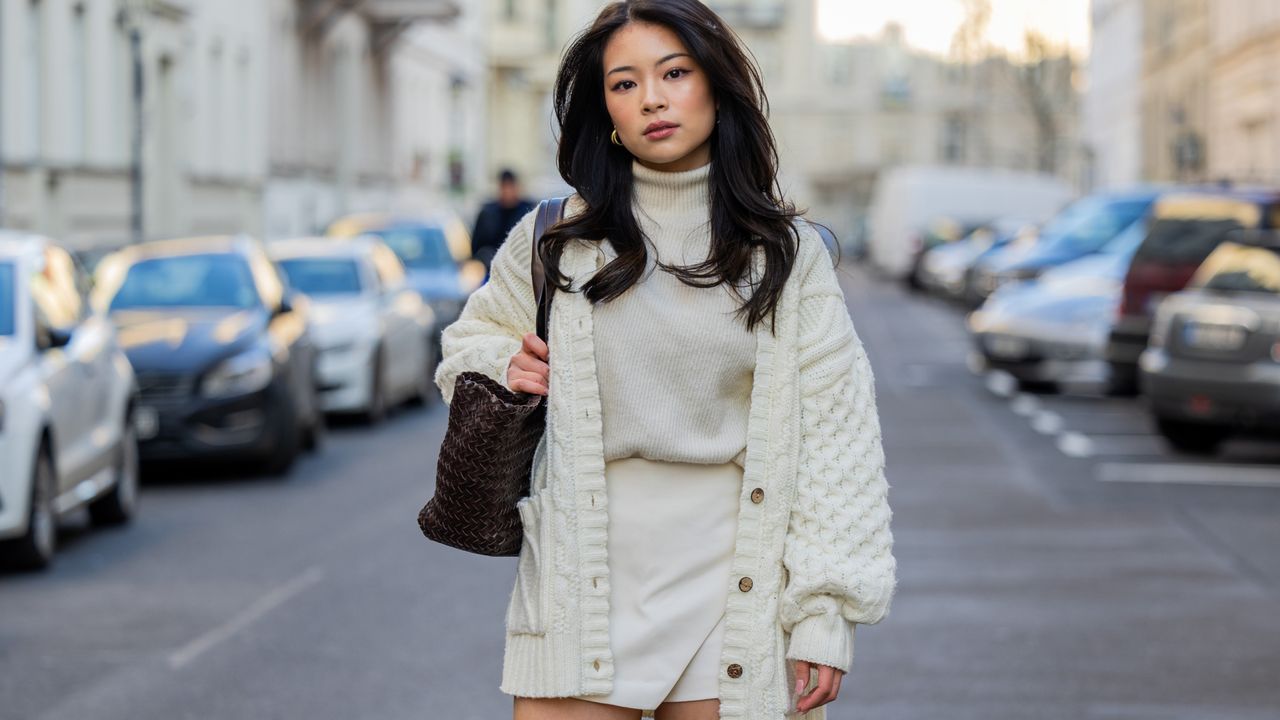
x: 671, y: 540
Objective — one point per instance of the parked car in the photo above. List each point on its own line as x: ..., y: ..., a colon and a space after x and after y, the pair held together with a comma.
x: 1212, y: 368
x: 1083, y: 228
x: 1186, y: 227
x: 222, y: 351
x: 907, y: 199
x: 67, y: 436
x: 374, y: 334
x: 1054, y: 329
x: 945, y: 270
x: 436, y: 252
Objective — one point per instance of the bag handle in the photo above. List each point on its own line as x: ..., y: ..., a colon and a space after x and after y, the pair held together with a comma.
x: 550, y: 212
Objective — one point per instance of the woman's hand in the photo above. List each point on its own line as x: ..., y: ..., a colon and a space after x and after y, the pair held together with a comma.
x: 528, y: 371
x: 827, y: 689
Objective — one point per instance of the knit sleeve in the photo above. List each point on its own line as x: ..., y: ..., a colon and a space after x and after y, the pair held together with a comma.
x: 496, y: 317
x: 838, y: 551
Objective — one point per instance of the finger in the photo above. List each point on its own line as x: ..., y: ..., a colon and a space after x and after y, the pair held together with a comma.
x: 528, y: 377
x: 526, y: 385
x: 821, y: 693
x: 535, y: 345
x: 802, y: 677
x: 529, y: 363
x: 835, y: 690
x: 826, y: 683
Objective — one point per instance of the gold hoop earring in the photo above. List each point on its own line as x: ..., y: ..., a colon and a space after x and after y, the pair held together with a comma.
x: 614, y: 138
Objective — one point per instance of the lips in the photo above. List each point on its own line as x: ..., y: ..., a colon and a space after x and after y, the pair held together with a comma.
x: 661, y: 128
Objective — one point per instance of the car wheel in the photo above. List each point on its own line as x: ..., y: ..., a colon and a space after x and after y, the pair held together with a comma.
x: 118, y: 506
x: 35, y: 549
x: 313, y: 440
x: 1122, y: 380
x: 376, y: 412
x: 1192, y: 438
x: 290, y: 436
x: 1039, y: 387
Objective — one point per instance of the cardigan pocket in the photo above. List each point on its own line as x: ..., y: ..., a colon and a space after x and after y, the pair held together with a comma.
x: 525, y: 612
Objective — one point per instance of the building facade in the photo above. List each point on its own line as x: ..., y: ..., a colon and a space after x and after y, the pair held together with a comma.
x: 1112, y: 110
x: 841, y: 112
x: 1175, y: 90
x: 1244, y: 91
x: 140, y: 119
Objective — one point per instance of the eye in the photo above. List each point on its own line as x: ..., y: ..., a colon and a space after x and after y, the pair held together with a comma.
x: 623, y: 85
x: 675, y: 73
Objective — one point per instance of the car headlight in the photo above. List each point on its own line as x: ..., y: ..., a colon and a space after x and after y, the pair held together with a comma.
x: 239, y: 375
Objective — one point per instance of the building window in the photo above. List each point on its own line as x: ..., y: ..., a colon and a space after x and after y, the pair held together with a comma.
x: 553, y: 23
x: 79, y: 85
x: 35, y: 77
x: 953, y: 140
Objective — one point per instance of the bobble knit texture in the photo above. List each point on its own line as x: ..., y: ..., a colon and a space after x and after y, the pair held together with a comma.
x: 818, y: 547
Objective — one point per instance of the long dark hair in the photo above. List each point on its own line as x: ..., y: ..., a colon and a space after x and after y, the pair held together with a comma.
x: 747, y: 207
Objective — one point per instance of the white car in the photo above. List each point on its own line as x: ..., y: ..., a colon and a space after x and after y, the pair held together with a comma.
x: 373, y: 332
x: 66, y: 436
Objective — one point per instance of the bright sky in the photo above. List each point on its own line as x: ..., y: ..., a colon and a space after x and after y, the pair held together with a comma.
x: 930, y: 24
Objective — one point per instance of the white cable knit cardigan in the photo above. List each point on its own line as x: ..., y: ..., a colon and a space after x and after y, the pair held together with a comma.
x: 813, y: 527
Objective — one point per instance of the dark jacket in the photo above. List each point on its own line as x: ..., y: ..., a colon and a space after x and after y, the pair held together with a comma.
x: 492, y: 225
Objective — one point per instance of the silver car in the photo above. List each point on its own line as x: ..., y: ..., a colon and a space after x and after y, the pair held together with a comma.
x: 1212, y: 365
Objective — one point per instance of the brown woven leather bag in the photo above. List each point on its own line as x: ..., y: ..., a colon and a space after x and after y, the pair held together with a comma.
x: 487, y: 454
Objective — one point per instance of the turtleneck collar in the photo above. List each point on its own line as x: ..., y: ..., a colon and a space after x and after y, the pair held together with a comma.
x: 672, y: 194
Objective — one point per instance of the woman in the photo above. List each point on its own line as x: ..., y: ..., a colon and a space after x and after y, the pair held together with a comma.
x: 708, y: 518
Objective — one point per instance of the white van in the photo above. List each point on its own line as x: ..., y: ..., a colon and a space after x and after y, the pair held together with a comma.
x: 908, y: 199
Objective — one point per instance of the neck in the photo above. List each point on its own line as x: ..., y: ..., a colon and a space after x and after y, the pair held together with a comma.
x: 673, y: 194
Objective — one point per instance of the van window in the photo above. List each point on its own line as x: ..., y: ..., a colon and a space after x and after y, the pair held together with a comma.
x: 1240, y: 268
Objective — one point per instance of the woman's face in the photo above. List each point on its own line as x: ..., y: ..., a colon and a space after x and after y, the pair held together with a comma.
x: 658, y: 98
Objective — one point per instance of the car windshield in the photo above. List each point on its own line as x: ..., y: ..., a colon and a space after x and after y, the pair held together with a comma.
x: 1184, y: 240
x: 418, y: 248
x: 221, y: 280
x: 1087, y: 225
x: 1241, y: 268
x: 7, y: 300
x: 323, y: 276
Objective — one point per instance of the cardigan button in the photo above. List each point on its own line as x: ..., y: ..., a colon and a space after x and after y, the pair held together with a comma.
x: 757, y: 495
x: 734, y: 671
x: 745, y: 584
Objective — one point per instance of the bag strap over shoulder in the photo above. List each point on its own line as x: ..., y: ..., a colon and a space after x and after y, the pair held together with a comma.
x: 550, y: 212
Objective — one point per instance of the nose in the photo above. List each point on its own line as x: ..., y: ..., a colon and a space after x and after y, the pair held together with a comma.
x: 654, y: 101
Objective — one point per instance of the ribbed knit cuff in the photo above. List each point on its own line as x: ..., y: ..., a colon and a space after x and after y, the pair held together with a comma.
x: 823, y: 639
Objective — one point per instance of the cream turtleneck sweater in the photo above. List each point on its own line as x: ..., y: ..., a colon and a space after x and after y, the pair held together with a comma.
x: 675, y: 363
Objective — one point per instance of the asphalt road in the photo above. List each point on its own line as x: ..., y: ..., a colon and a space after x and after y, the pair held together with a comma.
x: 1056, y: 561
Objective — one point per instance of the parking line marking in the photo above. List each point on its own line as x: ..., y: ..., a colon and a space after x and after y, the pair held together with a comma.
x: 263, y: 605
x: 1190, y: 474
x: 1025, y: 404
x: 1074, y: 444
x: 1047, y: 422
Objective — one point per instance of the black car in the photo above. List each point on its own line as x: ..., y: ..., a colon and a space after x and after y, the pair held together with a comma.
x: 220, y: 347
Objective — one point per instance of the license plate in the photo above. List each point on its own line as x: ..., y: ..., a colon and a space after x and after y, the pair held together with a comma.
x: 1007, y: 347
x: 146, y: 422
x: 1206, y: 336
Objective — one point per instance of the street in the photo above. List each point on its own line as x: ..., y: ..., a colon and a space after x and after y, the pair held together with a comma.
x: 1055, y: 561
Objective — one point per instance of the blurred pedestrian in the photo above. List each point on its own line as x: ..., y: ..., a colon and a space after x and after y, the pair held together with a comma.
x: 497, y: 217
x: 708, y: 519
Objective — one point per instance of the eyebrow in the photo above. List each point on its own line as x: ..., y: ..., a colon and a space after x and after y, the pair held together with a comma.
x: 625, y: 68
